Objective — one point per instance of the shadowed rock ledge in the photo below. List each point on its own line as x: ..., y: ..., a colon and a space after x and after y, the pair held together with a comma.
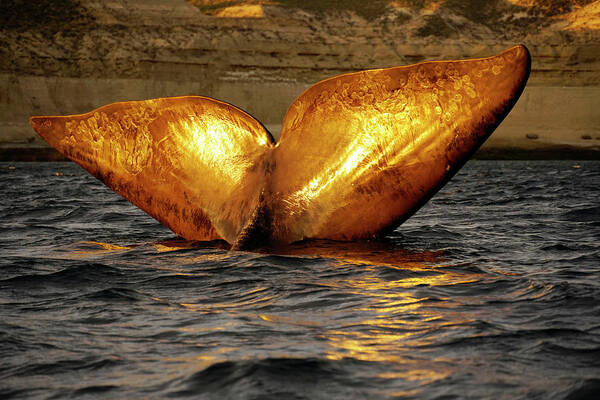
x: 67, y: 56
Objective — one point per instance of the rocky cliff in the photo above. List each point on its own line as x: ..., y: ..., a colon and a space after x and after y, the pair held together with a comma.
x: 68, y: 56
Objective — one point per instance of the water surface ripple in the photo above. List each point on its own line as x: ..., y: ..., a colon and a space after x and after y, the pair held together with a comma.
x: 490, y: 291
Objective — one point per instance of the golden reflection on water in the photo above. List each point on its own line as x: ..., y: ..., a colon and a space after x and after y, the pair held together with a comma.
x: 361, y: 252
x: 92, y: 248
x: 288, y: 320
x: 200, y: 361
x: 390, y: 322
x: 397, y: 319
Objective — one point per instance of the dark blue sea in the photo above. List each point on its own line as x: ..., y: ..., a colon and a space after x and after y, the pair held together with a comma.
x: 492, y: 290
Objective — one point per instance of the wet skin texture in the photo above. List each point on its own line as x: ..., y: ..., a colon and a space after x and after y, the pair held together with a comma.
x: 358, y: 153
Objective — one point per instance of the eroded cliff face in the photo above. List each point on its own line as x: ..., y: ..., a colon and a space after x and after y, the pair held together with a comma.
x: 67, y: 56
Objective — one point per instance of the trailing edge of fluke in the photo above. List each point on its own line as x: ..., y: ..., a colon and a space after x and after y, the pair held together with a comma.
x: 358, y: 154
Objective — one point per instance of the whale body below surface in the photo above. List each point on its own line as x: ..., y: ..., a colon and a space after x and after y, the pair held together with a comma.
x: 358, y: 154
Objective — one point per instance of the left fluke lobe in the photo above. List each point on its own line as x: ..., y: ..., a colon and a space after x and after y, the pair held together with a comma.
x: 359, y: 153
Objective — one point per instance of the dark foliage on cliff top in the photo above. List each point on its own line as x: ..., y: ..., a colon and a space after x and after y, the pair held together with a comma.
x: 47, y: 16
x: 485, y: 12
x: 367, y: 9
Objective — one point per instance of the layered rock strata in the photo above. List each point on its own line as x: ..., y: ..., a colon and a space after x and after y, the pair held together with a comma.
x: 67, y: 56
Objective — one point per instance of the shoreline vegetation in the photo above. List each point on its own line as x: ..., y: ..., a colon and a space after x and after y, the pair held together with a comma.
x: 72, y: 56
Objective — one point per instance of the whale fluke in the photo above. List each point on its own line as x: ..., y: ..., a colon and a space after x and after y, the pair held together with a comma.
x: 358, y: 154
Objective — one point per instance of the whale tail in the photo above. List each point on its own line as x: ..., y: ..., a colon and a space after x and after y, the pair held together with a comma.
x: 358, y: 154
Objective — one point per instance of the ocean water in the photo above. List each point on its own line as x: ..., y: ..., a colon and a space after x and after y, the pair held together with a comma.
x: 492, y: 290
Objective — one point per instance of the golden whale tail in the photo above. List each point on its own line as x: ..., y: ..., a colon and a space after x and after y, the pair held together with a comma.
x: 358, y: 153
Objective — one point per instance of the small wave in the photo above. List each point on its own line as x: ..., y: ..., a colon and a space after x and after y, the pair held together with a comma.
x: 583, y: 214
x: 94, y: 390
x: 115, y: 294
x: 276, y: 260
x: 505, y: 335
x: 174, y: 281
x: 275, y: 378
x: 559, y: 247
x: 65, y: 366
x: 388, y: 273
x: 587, y: 355
x: 12, y: 342
x: 72, y: 275
x: 588, y: 389
x: 7, y: 393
